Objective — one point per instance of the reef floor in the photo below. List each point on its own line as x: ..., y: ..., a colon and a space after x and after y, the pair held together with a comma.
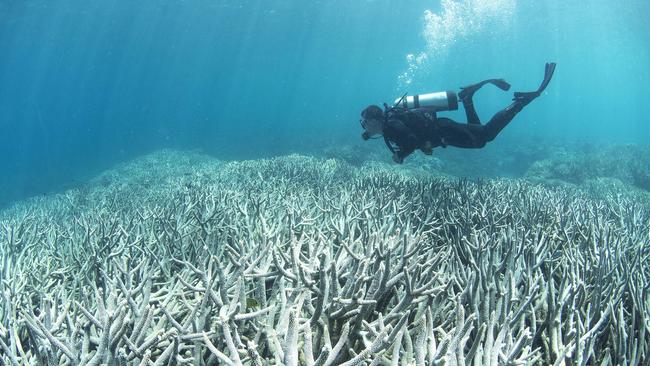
x: 180, y: 259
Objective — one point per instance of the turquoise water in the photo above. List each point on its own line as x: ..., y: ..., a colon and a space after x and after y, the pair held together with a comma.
x: 85, y: 85
x: 185, y: 182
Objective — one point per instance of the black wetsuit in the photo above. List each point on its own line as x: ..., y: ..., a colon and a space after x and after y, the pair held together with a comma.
x: 408, y: 130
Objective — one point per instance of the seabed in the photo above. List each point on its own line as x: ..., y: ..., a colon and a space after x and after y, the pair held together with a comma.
x: 180, y: 259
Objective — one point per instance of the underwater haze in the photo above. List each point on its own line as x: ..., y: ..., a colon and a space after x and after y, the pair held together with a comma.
x: 185, y: 182
x: 85, y: 85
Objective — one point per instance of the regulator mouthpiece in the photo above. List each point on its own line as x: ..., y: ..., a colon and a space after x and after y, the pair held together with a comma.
x: 439, y: 101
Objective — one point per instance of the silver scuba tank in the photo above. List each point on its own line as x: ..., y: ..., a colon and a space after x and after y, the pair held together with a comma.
x: 439, y: 101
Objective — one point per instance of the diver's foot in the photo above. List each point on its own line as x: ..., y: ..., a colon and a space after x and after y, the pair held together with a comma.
x: 467, y: 92
x: 526, y: 97
x: 500, y: 83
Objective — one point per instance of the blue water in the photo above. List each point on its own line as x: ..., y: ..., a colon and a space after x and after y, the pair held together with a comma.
x: 87, y: 84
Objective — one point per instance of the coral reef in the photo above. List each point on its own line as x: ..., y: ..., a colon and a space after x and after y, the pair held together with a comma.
x: 628, y: 163
x: 599, y: 170
x: 179, y: 260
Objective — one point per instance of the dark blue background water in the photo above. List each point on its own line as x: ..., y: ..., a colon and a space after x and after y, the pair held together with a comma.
x: 87, y: 84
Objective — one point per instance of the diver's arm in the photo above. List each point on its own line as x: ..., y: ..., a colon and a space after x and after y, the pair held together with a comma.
x: 401, y: 140
x: 402, y: 153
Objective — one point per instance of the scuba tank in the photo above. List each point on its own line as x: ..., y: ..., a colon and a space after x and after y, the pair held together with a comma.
x: 439, y: 101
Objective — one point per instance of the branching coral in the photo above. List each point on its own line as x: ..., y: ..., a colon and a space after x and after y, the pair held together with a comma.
x: 298, y: 261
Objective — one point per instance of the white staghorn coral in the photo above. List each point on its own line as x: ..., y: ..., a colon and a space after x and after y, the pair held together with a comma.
x: 299, y: 261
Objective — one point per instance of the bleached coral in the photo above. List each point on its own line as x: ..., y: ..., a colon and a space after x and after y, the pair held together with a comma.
x: 303, y: 261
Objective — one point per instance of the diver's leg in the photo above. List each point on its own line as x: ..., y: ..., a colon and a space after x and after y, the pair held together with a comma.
x: 467, y: 93
x: 452, y: 133
x: 502, y: 118
x: 470, y: 112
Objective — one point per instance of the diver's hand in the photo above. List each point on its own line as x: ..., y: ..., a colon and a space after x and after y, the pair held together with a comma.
x: 427, y: 149
x: 398, y: 159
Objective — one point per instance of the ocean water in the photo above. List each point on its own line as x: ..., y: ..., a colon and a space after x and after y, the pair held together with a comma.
x: 184, y: 182
x: 86, y: 85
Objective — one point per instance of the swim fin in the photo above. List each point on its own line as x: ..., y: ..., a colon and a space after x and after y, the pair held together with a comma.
x: 527, y: 97
x: 468, y: 91
x: 501, y: 84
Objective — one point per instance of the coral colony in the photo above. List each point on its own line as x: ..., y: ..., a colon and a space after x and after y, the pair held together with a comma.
x: 176, y: 260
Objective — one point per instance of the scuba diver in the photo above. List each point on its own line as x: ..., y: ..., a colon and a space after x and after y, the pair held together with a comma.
x: 412, y: 122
